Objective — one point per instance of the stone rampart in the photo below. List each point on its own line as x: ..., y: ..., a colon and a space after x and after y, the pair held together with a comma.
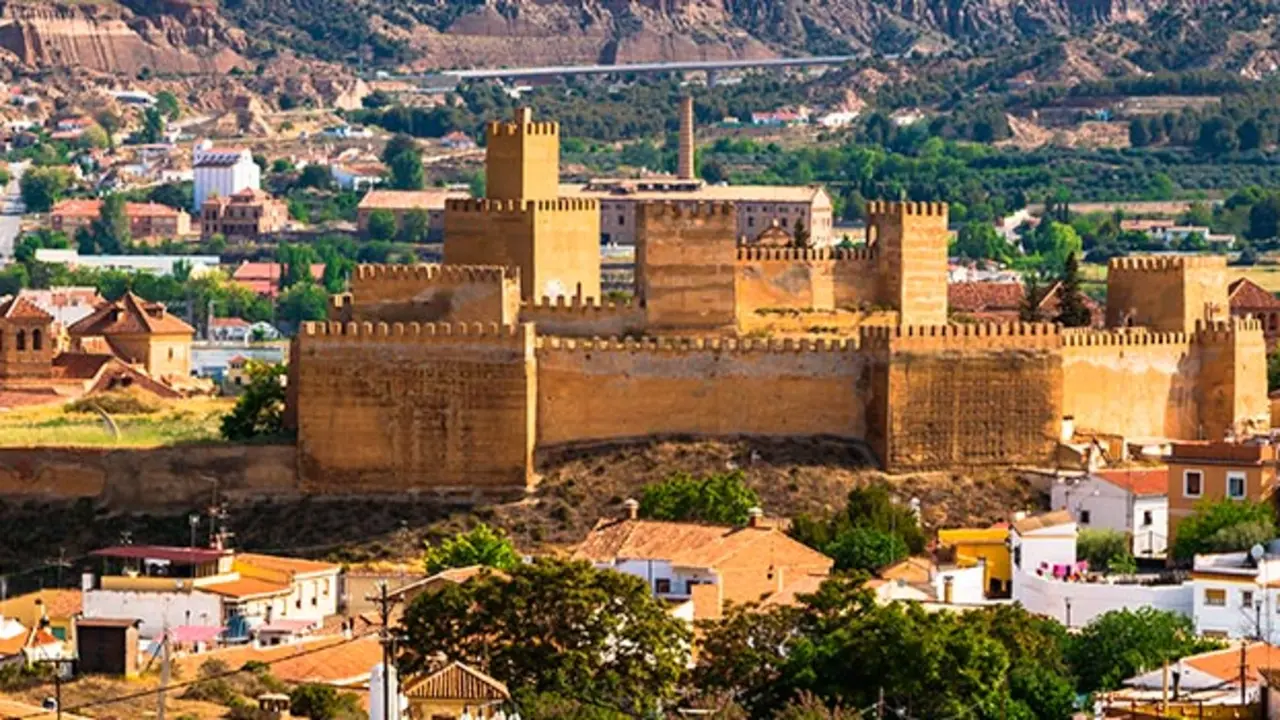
x: 432, y: 293
x: 583, y: 317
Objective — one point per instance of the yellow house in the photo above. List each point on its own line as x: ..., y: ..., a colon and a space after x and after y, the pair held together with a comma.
x: 138, y: 332
x: 60, y: 607
x: 989, y: 545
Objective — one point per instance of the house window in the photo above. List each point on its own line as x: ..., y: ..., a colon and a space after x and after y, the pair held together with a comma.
x: 688, y: 586
x: 1084, y: 517
x: 1246, y: 598
x: 1215, y: 598
x: 751, y: 222
x: 1192, y: 483
x: 622, y: 219
x: 662, y: 586
x: 1147, y: 519
x: 1235, y: 485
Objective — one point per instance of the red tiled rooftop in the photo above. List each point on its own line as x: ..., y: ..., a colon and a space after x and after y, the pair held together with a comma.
x: 1244, y: 293
x: 1139, y: 481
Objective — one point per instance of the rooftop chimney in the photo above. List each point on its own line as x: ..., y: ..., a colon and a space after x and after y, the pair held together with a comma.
x: 632, y: 508
x: 684, y: 169
x: 755, y: 517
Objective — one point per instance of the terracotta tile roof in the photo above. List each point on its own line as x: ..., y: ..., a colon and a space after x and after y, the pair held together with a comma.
x: 1244, y: 293
x: 79, y: 366
x: 246, y: 588
x: 229, y: 322
x: 682, y: 544
x: 1139, y: 481
x: 11, y: 646
x: 77, y: 207
x: 365, y: 169
x: 130, y: 315
x: 296, y: 566
x: 57, y: 603
x: 150, y: 209
x: 1042, y: 521
x: 269, y: 271
x: 20, y: 307
x: 976, y: 297
x: 789, y: 594
x: 456, y: 681
x: 1225, y: 664
x: 408, y: 199
x: 327, y: 659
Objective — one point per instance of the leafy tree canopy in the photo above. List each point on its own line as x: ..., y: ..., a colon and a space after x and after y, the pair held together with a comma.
x: 481, y: 545
x: 259, y: 412
x: 1223, y: 526
x: 723, y: 499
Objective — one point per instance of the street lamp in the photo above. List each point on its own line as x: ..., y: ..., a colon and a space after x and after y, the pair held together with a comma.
x: 61, y: 666
x: 194, y: 521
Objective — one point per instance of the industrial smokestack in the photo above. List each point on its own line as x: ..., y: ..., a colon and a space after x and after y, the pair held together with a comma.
x: 685, y: 168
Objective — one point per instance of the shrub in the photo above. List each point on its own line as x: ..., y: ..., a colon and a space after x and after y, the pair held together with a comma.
x: 723, y: 499
x: 1105, y: 550
x: 124, y: 402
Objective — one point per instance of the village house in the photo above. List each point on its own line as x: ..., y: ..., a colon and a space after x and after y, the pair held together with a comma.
x: 55, y: 610
x: 357, y: 176
x: 1247, y: 298
x: 247, y: 214
x: 458, y: 140
x: 453, y: 692
x: 988, y: 546
x: 139, y: 332
x: 222, y: 172
x: 1210, y: 685
x: 400, y: 202
x: 263, y: 278
x: 147, y: 221
x: 25, y: 645
x: 240, y: 594
x: 706, y: 566
x: 1219, y: 470
x: 229, y: 330
x: 1133, y: 501
x: 107, y: 646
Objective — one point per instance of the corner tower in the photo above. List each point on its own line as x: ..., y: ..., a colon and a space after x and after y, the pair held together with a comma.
x: 910, y: 239
x: 522, y: 221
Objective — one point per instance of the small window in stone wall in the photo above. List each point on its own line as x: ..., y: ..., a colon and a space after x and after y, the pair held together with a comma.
x: 662, y: 586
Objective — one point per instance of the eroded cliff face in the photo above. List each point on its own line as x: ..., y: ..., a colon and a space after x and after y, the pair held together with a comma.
x: 110, y: 38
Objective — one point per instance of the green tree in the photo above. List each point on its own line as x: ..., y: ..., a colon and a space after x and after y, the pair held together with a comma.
x: 403, y: 159
x: 551, y: 626
x: 42, y: 188
x: 259, y: 411
x: 1122, y: 643
x: 110, y: 230
x: 324, y: 702
x: 1054, y: 242
x: 302, y: 302
x: 1204, y: 530
x: 1139, y: 136
x: 872, y: 531
x: 723, y: 498
x: 415, y: 227
x: 94, y: 137
x: 382, y: 225
x: 168, y: 105
x: 1105, y: 550
x: 1072, y: 312
x: 152, y: 130
x: 863, y: 548
x: 1032, y: 296
x: 980, y: 241
x: 481, y: 545
x: 315, y: 176
x: 1264, y: 217
x: 1273, y: 371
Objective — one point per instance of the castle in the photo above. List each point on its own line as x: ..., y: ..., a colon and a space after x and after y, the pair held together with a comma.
x: 448, y: 378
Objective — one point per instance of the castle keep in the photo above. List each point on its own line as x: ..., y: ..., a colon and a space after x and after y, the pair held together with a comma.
x: 449, y: 378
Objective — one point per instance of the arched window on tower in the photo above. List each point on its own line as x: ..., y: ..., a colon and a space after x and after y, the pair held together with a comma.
x: 37, y: 340
x: 21, y: 342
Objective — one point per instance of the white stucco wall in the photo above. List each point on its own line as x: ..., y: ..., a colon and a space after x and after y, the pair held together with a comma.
x: 1089, y: 600
x: 155, y: 609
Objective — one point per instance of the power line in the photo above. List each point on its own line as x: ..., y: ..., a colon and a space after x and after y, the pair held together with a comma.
x: 179, y: 686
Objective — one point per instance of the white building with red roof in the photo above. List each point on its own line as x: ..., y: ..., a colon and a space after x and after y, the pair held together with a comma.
x: 1134, y: 501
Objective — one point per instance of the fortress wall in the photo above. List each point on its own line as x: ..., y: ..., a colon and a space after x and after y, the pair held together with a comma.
x: 409, y: 407
x: 1233, y: 382
x: 1165, y: 293
x: 855, y: 281
x: 616, y: 389
x: 778, y: 284
x: 946, y: 396
x: 686, y: 259
x: 433, y: 293
x: 490, y: 232
x: 583, y: 317
x: 1135, y: 383
x: 566, y: 247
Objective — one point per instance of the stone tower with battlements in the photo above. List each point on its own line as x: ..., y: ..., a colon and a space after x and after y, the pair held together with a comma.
x: 910, y: 241
x: 522, y: 222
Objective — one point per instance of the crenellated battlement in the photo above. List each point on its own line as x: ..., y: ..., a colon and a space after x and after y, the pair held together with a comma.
x: 433, y: 273
x: 1124, y: 337
x: 1226, y: 331
x: 504, y: 128
x: 675, y: 209
x: 1163, y: 263
x: 442, y: 333
x: 695, y: 344
x: 512, y: 207
x: 966, y: 335
x: 754, y: 253
x: 575, y: 303
x: 883, y: 208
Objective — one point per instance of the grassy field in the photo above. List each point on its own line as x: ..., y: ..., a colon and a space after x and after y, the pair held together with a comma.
x: 170, y: 423
x: 1267, y: 276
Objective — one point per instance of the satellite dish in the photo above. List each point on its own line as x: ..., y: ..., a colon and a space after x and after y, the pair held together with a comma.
x: 1257, y: 552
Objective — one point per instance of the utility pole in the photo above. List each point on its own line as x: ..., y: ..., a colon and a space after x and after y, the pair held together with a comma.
x: 1244, y: 654
x: 385, y: 602
x: 164, y: 671
x: 880, y: 705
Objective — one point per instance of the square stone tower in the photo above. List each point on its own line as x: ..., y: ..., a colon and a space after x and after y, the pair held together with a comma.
x: 522, y: 221
x: 1166, y: 293
x: 27, y: 342
x: 911, y: 245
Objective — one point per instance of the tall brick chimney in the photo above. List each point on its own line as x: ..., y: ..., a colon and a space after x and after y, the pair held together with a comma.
x: 684, y: 169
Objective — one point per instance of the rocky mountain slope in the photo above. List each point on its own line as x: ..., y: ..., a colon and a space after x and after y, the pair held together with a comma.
x: 205, y: 36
